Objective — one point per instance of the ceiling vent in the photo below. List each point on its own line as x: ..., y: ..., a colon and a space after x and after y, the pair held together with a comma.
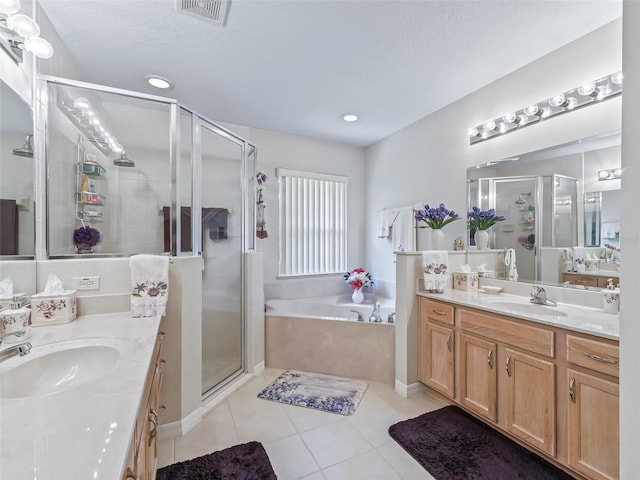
x: 215, y: 11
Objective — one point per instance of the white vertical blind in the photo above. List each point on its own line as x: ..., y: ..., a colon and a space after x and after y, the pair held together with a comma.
x: 313, y: 223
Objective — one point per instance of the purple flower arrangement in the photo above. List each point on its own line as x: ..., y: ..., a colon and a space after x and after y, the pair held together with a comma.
x: 483, y: 219
x: 435, y: 218
x: 86, y: 237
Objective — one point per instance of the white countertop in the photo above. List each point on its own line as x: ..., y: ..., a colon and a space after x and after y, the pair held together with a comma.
x: 83, y: 432
x: 592, y: 321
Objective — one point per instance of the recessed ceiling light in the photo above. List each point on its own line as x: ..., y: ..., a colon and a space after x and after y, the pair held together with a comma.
x: 159, y: 82
x: 350, y: 117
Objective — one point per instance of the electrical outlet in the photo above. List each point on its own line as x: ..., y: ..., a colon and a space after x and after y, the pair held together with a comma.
x: 85, y: 283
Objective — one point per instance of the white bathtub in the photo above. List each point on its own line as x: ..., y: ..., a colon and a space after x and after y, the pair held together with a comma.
x: 322, y: 335
x: 335, y: 307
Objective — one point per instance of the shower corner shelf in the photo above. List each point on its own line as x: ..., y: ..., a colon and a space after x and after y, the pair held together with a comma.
x: 90, y: 198
x: 87, y: 173
x: 91, y: 169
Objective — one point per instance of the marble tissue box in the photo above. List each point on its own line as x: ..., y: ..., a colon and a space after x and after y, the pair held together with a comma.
x: 52, y: 309
x: 465, y: 280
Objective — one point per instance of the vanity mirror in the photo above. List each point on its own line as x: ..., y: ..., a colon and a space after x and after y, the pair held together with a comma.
x: 17, y: 210
x: 553, y: 199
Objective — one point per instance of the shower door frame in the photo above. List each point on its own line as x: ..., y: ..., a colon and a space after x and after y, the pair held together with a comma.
x: 199, y: 123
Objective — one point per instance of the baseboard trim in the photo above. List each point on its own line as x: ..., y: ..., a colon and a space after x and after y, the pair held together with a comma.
x: 407, y: 391
x: 259, y: 368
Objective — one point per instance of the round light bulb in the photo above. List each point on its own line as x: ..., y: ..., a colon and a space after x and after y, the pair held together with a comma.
x: 616, y: 78
x: 350, y: 117
x: 510, y: 118
x: 23, y: 25
x: 81, y: 103
x: 587, y: 89
x: 489, y: 125
x: 485, y: 134
x: 532, y: 109
x: 39, y: 47
x: 545, y: 112
x: 602, y: 174
x: 557, y: 101
x: 618, y: 172
x: 473, y: 132
x: 9, y: 7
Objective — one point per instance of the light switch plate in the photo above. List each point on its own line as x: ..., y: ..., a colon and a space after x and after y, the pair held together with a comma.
x: 85, y: 283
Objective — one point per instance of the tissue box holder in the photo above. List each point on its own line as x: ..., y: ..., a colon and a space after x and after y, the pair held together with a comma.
x: 465, y: 281
x: 53, y: 309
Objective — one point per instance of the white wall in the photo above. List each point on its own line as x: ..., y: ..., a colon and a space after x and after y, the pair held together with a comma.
x: 427, y: 161
x: 630, y: 301
x: 301, y: 153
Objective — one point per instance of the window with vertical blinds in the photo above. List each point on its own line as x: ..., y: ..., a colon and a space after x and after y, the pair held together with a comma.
x: 313, y: 223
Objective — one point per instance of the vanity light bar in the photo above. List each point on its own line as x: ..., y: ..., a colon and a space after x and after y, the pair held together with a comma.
x: 582, y: 96
x: 611, y: 174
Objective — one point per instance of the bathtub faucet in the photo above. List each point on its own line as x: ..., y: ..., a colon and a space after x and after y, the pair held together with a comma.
x: 360, y: 317
x: 375, y: 315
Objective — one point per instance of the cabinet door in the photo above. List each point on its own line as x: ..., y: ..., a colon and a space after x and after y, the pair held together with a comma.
x: 530, y: 385
x: 439, y: 359
x: 593, y: 430
x: 478, y: 376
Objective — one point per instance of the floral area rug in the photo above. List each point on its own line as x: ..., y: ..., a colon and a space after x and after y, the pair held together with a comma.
x: 316, y: 390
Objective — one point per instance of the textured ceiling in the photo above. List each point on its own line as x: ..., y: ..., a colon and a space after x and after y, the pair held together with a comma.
x: 297, y: 65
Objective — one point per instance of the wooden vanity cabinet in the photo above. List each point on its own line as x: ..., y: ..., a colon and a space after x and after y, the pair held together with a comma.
x: 593, y: 408
x: 143, y: 449
x: 588, y: 280
x: 551, y: 389
x: 437, y: 342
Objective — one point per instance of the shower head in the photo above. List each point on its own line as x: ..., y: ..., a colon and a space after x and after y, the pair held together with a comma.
x: 123, y: 161
x: 25, y: 150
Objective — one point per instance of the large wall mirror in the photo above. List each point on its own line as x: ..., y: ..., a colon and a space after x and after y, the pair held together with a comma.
x: 17, y: 212
x: 563, y: 197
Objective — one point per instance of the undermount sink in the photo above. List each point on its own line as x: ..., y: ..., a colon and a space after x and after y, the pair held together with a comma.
x: 530, y: 308
x: 59, y: 366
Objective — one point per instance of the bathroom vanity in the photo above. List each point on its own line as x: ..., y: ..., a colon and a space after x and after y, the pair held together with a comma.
x: 84, y: 402
x: 545, y: 376
x: 591, y: 279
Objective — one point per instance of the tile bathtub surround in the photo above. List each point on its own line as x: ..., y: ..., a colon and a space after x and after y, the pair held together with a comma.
x: 308, y: 444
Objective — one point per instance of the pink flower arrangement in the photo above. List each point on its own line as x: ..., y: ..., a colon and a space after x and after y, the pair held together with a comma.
x: 358, y: 278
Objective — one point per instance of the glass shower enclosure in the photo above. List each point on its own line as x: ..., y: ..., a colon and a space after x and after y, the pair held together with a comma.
x: 541, y: 211
x: 154, y: 177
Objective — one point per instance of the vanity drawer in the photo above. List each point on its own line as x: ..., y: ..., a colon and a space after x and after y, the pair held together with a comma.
x: 599, y: 356
x: 509, y: 331
x: 577, y: 279
x: 436, y: 311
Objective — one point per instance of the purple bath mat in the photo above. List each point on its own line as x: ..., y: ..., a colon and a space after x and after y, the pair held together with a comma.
x: 248, y: 461
x: 452, y: 445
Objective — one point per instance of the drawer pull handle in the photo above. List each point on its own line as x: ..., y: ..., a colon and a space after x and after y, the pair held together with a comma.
x: 449, y: 342
x: 161, y: 335
x: 439, y: 312
x: 131, y: 474
x: 162, y: 364
x: 508, y: 365
x: 598, y: 358
x: 572, y: 393
x: 490, y: 358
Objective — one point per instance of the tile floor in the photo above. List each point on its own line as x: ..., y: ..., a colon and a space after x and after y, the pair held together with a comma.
x: 307, y: 444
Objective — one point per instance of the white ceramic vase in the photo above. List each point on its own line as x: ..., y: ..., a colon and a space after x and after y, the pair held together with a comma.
x: 437, y: 239
x: 357, y: 296
x: 482, y: 239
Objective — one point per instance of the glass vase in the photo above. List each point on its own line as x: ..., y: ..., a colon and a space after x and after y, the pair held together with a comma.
x: 357, y: 296
x: 482, y: 239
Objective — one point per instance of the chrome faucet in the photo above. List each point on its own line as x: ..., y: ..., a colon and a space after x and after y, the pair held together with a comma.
x: 360, y: 317
x: 391, y: 318
x: 539, y: 296
x: 21, y: 349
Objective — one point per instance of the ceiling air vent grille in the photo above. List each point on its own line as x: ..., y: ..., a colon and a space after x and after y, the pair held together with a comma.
x: 213, y: 10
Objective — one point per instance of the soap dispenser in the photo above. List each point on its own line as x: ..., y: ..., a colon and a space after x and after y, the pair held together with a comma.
x: 611, y: 298
x: 15, y: 319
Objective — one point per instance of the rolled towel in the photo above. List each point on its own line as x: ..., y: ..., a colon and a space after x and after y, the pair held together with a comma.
x: 150, y: 285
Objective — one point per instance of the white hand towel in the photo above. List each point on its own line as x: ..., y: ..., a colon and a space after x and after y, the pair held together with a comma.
x: 435, y: 266
x: 403, y: 232
x: 150, y: 285
x: 511, y: 272
x: 383, y: 223
x: 578, y: 256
